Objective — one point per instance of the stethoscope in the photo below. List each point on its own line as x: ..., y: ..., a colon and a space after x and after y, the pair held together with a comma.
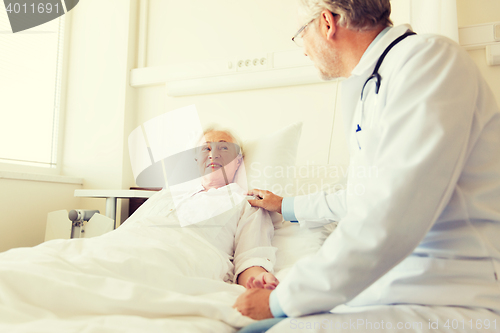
x: 376, y: 76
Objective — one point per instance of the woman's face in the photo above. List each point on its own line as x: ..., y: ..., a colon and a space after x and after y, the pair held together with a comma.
x: 218, y: 150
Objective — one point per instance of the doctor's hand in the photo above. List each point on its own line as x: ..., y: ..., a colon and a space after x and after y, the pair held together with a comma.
x: 254, y: 303
x: 265, y: 199
x: 264, y: 280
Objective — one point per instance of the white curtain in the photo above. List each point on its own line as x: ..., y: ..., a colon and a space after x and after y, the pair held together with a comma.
x: 428, y: 16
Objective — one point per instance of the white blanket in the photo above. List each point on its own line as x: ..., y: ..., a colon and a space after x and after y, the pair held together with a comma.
x: 79, y: 285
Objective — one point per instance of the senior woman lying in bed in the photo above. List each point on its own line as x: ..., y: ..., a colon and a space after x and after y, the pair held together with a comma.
x: 151, y: 273
x: 217, y: 211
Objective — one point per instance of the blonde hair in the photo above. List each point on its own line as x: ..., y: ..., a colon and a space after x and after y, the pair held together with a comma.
x: 354, y: 14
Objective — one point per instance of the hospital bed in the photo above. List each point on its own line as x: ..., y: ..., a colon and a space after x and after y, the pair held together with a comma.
x: 274, y: 152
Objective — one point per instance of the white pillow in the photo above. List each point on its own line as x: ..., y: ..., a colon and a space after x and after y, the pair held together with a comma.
x: 267, y: 159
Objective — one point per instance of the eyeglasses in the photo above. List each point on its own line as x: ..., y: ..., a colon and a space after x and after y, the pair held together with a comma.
x: 297, y: 38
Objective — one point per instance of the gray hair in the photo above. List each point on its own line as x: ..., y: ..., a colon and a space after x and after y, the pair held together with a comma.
x: 354, y: 14
x: 217, y: 128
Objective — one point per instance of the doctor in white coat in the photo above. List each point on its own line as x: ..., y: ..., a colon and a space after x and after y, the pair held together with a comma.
x: 423, y: 232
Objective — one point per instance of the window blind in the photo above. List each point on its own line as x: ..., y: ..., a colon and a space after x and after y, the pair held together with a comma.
x: 30, y: 91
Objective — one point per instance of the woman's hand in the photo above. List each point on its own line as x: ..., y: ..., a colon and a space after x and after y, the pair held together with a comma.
x: 264, y: 280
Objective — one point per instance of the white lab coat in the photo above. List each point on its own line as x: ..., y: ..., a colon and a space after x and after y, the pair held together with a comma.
x: 424, y: 226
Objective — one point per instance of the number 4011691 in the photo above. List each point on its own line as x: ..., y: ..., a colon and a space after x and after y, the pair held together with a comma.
x: 41, y: 8
x: 472, y: 324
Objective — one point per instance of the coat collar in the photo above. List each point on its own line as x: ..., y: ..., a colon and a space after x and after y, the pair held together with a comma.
x: 376, y: 49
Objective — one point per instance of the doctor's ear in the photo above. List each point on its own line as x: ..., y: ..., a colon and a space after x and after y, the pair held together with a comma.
x: 328, y: 23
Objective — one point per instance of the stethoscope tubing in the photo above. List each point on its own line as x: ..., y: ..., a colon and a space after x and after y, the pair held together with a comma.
x: 377, y: 77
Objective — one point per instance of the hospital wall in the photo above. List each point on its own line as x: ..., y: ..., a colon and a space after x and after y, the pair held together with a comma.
x: 100, y: 104
x: 477, y: 12
x: 24, y: 205
x: 199, y: 31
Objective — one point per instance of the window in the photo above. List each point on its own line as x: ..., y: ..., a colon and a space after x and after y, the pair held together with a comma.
x: 30, y: 89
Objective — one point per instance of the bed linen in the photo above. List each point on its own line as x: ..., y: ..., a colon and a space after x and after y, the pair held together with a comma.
x: 146, y: 276
x: 76, y: 285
